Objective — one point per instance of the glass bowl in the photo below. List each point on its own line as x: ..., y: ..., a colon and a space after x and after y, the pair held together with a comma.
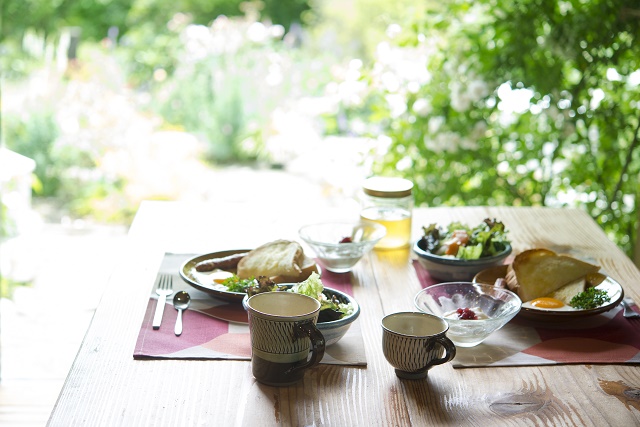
x: 448, y: 268
x: 498, y: 304
x: 325, y: 240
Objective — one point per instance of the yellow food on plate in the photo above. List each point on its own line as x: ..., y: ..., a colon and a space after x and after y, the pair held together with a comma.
x: 568, y: 291
x: 537, y: 273
x: 546, y: 302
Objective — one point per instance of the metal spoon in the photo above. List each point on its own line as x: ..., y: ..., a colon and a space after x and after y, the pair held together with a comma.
x: 181, y: 301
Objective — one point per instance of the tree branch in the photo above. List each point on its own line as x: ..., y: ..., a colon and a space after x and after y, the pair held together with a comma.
x: 625, y: 166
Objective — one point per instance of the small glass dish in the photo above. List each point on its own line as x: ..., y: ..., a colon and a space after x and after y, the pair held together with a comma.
x: 340, y: 245
x: 498, y: 304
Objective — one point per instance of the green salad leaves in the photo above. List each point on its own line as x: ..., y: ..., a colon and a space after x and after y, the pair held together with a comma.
x: 461, y: 241
x: 313, y: 288
x: 330, y: 308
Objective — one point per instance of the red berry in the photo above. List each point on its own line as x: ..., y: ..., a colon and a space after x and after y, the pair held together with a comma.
x: 466, y: 314
x: 346, y: 240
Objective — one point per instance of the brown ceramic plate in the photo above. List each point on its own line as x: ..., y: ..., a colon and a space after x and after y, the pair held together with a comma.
x: 613, y: 289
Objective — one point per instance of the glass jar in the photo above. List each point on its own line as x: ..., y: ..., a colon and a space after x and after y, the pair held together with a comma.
x: 389, y: 202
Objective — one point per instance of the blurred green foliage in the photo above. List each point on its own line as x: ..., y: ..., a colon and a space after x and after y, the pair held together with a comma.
x: 492, y: 102
x: 34, y: 135
x: 518, y: 103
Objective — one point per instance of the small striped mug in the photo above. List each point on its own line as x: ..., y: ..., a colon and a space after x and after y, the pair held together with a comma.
x: 413, y: 343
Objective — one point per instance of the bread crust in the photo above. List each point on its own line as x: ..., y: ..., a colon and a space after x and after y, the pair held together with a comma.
x: 276, y: 258
x: 538, y: 272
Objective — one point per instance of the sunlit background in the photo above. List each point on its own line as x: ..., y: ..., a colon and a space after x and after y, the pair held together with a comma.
x: 107, y: 104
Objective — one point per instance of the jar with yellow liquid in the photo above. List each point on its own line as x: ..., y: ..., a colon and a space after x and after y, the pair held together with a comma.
x: 389, y: 202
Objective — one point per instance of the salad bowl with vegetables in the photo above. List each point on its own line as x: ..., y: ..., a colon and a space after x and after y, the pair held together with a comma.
x: 459, y: 252
x: 338, y: 310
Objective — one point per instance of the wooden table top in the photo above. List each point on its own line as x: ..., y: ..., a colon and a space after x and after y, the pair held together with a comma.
x: 106, y: 386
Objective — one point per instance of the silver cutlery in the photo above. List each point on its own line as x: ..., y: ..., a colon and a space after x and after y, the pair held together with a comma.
x: 628, y: 312
x: 164, y: 288
x: 181, y: 301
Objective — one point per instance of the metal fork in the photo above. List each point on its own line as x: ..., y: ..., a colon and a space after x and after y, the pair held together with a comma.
x: 628, y: 312
x: 164, y: 288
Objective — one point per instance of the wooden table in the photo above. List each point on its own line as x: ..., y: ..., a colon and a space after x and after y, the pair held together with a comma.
x: 107, y: 387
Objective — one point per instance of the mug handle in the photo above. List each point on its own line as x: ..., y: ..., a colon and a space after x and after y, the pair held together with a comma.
x: 309, y: 329
x: 449, y: 352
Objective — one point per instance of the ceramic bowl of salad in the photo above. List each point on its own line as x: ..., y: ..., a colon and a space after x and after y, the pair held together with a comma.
x: 338, y: 310
x: 473, y: 311
x: 459, y: 252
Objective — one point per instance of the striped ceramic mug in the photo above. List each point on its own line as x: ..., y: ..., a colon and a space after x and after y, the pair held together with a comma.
x: 415, y: 342
x: 283, y: 333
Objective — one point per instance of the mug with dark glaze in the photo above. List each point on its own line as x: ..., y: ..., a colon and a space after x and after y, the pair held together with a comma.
x: 285, y: 341
x: 413, y: 343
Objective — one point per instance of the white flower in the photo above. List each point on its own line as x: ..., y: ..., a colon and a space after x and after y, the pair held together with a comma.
x: 397, y: 104
x: 435, y: 123
x: 393, y: 30
x: 422, y: 107
x: 477, y: 90
x: 404, y: 164
x: 257, y: 32
x: 460, y: 102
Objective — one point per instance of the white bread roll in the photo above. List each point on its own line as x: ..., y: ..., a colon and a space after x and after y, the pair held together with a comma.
x: 307, y: 267
x: 277, y: 258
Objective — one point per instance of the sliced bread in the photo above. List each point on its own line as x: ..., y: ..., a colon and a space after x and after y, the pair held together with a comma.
x: 570, y: 290
x: 538, y: 272
x: 277, y: 258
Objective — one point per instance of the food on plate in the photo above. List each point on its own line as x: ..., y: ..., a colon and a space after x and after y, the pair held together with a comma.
x: 568, y: 291
x: 466, y: 313
x: 547, y: 302
x: 223, y: 263
x: 307, y: 267
x: 590, y: 298
x: 537, y: 273
x: 277, y: 258
x: 236, y: 284
x: 330, y: 308
x: 282, y: 261
x: 461, y: 241
x: 219, y: 276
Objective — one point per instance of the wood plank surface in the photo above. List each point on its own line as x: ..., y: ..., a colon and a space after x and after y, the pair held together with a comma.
x: 106, y: 387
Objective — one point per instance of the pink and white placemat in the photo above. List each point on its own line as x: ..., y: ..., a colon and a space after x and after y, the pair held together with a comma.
x: 605, y: 338
x: 217, y: 329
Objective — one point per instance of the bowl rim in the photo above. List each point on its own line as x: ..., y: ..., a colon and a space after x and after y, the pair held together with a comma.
x: 448, y: 260
x: 379, y: 229
x: 510, y: 314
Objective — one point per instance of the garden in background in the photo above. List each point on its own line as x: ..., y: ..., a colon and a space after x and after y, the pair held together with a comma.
x: 492, y: 102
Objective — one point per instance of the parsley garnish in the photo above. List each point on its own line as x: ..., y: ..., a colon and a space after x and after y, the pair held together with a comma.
x: 236, y: 284
x: 591, y: 298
